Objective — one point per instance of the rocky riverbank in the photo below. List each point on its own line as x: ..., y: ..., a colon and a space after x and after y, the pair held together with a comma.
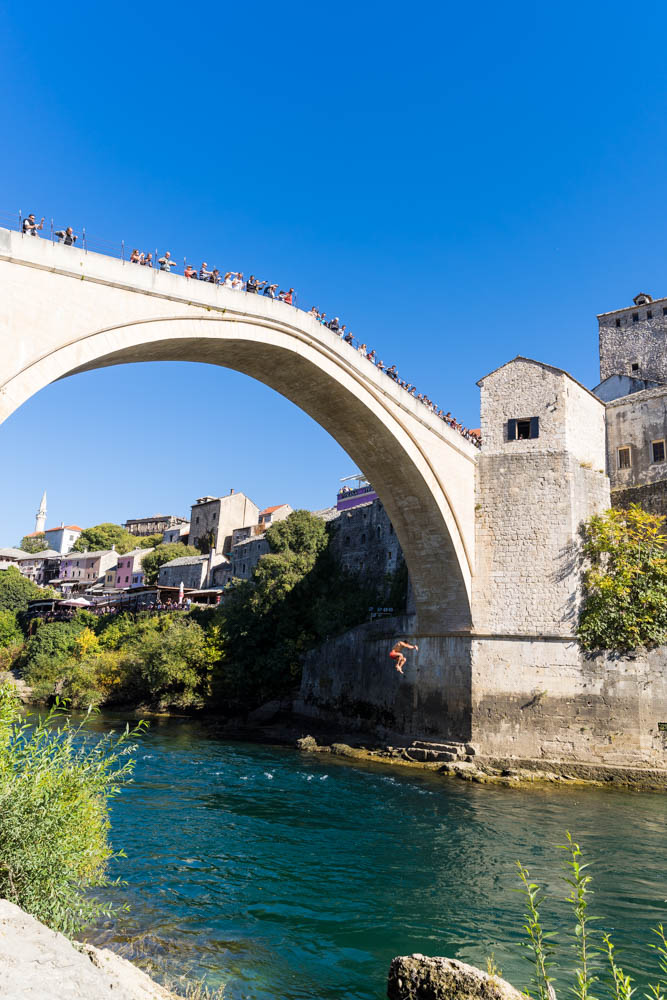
x: 462, y: 761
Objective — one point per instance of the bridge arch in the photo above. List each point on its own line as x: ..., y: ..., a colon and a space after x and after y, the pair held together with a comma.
x: 64, y: 312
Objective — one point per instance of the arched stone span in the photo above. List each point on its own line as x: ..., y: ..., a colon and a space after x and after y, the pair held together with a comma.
x: 63, y: 311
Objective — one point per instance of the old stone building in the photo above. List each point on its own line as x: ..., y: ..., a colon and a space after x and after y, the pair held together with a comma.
x: 633, y: 370
x: 213, y: 520
x: 191, y: 571
x: 632, y: 340
x: 363, y: 542
x: 157, y: 524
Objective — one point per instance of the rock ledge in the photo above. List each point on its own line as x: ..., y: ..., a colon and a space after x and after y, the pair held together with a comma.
x: 416, y: 977
x: 38, y: 964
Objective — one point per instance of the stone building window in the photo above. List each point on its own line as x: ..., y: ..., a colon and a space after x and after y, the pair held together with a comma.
x: 649, y: 314
x: 624, y: 458
x: 635, y: 366
x: 658, y: 451
x: 635, y: 317
x: 618, y: 322
x: 363, y: 539
x: 523, y: 429
x: 664, y: 310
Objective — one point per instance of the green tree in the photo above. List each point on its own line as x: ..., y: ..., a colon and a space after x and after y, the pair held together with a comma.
x: 148, y: 541
x: 302, y: 534
x: 16, y: 590
x: 162, y: 554
x: 298, y: 597
x: 103, y: 536
x: 56, y: 780
x: 34, y: 543
x: 625, y: 582
x: 10, y: 633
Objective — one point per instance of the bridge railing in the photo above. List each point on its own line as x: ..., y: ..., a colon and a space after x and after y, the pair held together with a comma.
x: 91, y: 242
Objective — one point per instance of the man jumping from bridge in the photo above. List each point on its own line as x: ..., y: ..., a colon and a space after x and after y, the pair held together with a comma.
x: 397, y: 655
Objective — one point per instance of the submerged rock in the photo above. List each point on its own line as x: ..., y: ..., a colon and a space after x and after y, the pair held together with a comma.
x: 416, y: 977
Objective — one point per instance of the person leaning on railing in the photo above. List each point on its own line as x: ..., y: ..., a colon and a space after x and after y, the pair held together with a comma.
x: 66, y: 236
x: 166, y: 263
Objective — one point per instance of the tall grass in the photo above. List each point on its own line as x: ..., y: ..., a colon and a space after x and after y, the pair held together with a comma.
x: 596, y: 974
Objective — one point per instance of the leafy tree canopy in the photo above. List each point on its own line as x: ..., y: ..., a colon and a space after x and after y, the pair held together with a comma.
x: 302, y: 534
x: 152, y: 561
x: 625, y: 584
x: 148, y: 541
x: 16, y: 590
x: 34, y: 543
x: 103, y: 536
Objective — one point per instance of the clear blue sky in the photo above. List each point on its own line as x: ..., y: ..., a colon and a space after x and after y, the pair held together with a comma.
x: 461, y: 183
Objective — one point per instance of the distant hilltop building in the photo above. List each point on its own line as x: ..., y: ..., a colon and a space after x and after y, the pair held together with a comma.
x: 155, y: 525
x: 633, y: 386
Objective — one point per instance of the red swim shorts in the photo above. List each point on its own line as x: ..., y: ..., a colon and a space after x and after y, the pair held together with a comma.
x: 394, y: 655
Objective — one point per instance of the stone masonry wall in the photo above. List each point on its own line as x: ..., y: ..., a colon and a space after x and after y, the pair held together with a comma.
x: 529, y: 510
x: 351, y: 681
x: 545, y: 698
x: 363, y: 541
x: 641, y: 343
x: 652, y: 497
x: 527, y: 697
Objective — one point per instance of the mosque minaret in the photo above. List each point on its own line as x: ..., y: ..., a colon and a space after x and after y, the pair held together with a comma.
x: 40, y: 522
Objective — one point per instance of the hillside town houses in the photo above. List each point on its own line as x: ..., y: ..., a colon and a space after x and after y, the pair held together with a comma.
x: 229, y: 533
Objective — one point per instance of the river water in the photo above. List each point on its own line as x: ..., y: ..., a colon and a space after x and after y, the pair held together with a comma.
x: 293, y: 876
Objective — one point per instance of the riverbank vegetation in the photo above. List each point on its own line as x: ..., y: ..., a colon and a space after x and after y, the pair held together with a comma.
x: 56, y: 781
x: 230, y: 658
x: 625, y: 581
x: 595, y: 973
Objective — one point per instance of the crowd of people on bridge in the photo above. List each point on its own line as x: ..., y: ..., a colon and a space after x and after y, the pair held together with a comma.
x: 236, y: 281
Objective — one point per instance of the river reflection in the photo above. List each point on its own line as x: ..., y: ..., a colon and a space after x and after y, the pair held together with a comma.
x: 287, y: 875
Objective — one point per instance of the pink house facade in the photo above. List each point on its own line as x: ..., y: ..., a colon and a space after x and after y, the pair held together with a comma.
x: 129, y: 572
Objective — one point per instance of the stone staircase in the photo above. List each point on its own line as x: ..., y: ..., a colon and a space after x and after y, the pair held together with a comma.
x: 427, y: 752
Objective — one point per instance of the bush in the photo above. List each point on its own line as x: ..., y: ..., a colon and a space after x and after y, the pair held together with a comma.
x: 10, y: 633
x: 625, y: 586
x: 56, y: 781
x: 16, y: 590
x: 161, y: 660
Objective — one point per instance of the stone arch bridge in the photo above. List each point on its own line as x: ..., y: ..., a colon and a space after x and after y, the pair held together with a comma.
x: 64, y: 311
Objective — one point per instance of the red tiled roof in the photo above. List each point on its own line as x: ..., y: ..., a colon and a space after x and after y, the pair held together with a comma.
x: 69, y: 527
x: 270, y: 510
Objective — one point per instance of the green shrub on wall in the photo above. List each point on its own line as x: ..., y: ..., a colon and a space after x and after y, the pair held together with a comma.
x: 625, y: 583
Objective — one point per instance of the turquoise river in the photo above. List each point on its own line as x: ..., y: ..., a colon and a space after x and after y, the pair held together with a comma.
x: 297, y: 876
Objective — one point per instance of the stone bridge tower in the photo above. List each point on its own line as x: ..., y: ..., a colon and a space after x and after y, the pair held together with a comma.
x: 541, y: 473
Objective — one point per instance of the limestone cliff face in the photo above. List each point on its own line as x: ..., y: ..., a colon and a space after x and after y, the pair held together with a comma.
x: 38, y: 964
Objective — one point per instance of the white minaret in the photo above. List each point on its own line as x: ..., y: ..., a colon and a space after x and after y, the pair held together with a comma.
x: 40, y: 522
